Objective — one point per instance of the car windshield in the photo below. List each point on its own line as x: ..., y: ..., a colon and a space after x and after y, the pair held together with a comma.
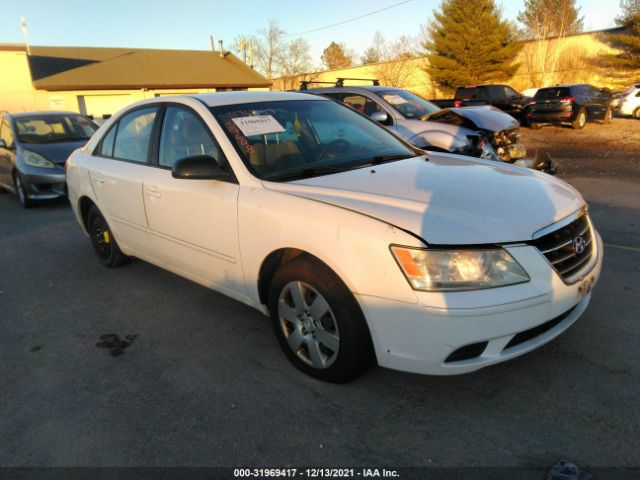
x: 54, y: 128
x: 288, y: 140
x: 408, y: 104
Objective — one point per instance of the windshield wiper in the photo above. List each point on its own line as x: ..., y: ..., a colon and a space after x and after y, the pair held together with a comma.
x: 306, y: 173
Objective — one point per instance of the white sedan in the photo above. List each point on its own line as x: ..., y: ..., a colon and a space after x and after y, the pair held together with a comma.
x: 360, y: 247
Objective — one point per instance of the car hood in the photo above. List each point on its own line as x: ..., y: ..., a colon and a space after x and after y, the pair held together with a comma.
x: 56, y: 152
x: 447, y: 199
x: 483, y: 118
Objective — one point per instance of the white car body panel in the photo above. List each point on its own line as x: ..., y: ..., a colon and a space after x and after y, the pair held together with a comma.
x: 433, y: 200
x: 219, y: 234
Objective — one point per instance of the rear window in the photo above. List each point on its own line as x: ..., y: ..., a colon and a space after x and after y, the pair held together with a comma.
x: 551, y: 93
x: 463, y: 93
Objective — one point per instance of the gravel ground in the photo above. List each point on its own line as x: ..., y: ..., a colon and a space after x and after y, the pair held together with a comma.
x: 598, y: 150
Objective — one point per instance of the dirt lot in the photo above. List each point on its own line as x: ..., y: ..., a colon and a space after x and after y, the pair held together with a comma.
x: 596, y: 151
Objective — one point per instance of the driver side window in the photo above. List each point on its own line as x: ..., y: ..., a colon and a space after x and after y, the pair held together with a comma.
x: 6, y: 134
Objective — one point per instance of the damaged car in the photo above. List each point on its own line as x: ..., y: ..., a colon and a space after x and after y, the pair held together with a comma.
x: 483, y: 131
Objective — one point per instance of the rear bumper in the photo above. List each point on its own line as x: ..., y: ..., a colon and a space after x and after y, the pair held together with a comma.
x: 551, y: 117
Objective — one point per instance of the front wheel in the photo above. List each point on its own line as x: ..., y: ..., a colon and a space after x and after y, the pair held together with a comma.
x: 535, y: 125
x: 608, y: 115
x: 23, y: 198
x: 103, y: 241
x: 318, y: 322
x: 580, y: 121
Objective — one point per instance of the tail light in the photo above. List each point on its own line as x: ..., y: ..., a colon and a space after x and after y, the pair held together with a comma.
x: 567, y: 99
x: 457, y: 103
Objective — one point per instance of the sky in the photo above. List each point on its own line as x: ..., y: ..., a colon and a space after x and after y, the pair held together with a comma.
x: 187, y: 24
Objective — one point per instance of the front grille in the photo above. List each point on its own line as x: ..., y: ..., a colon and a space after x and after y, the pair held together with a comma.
x: 569, y: 248
x: 537, y: 331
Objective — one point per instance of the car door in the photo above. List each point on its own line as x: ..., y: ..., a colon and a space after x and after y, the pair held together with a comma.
x: 119, y: 163
x: 193, y: 222
x: 7, y: 153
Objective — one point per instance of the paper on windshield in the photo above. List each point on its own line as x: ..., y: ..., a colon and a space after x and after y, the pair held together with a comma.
x: 258, y: 125
x: 395, y: 99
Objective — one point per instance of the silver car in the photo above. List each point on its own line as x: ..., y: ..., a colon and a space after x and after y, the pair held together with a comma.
x: 33, y: 149
x: 476, y: 131
x: 628, y: 104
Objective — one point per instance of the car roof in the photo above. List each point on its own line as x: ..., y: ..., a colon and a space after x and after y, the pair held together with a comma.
x: 369, y: 88
x: 44, y: 113
x: 232, y: 98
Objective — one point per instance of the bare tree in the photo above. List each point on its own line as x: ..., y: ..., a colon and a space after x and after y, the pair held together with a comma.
x: 547, y: 24
x: 397, y: 62
x: 376, y: 52
x: 267, y: 48
x: 295, y: 57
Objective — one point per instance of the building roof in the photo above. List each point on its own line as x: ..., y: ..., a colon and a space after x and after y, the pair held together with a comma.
x: 92, y: 68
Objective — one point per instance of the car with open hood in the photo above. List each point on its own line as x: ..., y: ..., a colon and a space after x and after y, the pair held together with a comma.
x: 479, y: 131
x: 33, y: 149
x: 359, y: 246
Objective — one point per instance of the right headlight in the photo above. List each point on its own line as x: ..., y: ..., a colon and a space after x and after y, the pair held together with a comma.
x: 446, y: 270
x: 34, y: 159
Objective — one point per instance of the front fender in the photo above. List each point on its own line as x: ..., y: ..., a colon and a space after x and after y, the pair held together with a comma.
x: 353, y: 245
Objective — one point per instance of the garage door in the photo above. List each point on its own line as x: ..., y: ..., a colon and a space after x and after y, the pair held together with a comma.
x: 102, y: 105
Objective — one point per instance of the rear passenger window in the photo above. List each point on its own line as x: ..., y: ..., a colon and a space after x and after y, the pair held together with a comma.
x: 133, y: 135
x: 106, y: 148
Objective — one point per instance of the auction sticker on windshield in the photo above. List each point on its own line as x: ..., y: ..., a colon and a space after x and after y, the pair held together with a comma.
x: 394, y: 99
x: 258, y: 125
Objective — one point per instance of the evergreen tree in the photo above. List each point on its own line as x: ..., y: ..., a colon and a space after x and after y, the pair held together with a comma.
x: 337, y: 56
x: 469, y: 42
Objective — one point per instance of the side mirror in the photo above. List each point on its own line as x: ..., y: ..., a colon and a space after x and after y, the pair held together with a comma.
x: 379, y: 117
x: 199, y: 167
x: 3, y: 144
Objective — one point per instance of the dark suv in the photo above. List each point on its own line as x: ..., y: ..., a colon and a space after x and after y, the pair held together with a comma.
x: 570, y: 104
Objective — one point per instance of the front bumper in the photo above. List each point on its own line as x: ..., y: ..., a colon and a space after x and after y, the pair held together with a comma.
x: 459, y: 332
x: 44, y: 183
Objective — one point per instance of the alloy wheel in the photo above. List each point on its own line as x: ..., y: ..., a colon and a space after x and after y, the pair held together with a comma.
x: 308, y: 324
x: 20, y: 190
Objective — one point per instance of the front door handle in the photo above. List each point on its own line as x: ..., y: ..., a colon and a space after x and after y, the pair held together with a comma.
x: 98, y: 179
x: 152, y: 192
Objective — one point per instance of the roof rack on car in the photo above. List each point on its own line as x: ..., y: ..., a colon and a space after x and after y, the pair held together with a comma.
x: 340, y: 81
x: 304, y: 84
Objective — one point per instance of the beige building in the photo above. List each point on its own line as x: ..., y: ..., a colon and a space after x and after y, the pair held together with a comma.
x: 100, y: 81
x: 573, y: 59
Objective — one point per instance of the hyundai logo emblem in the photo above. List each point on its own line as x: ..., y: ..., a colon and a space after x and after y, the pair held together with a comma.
x: 579, y: 244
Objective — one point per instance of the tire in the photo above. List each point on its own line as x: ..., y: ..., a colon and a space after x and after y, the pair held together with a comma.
x: 608, y: 115
x: 581, y: 120
x: 318, y: 322
x: 636, y: 113
x: 535, y: 126
x: 24, y: 200
x: 103, y: 241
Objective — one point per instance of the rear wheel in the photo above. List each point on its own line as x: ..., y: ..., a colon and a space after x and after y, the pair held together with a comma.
x: 21, y: 191
x: 581, y: 119
x: 535, y: 125
x: 103, y: 241
x: 318, y: 322
x: 636, y: 113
